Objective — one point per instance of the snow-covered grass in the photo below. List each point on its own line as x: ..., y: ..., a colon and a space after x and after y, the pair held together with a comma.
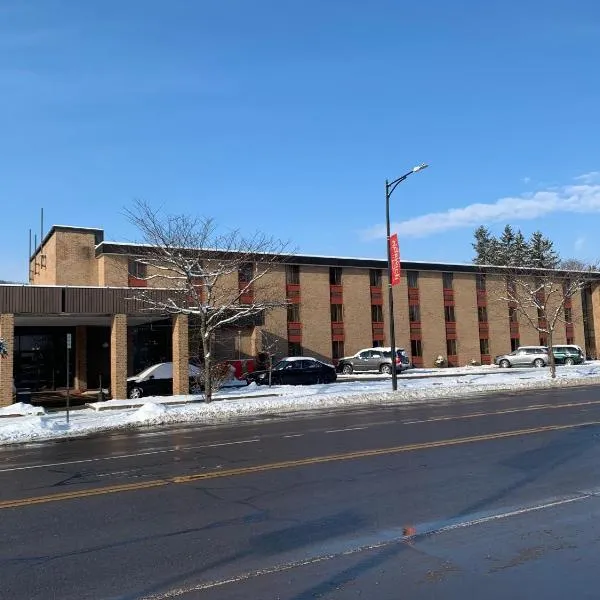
x: 259, y: 402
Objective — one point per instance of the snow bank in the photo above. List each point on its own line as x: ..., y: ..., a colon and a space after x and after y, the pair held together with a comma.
x: 290, y: 399
x: 20, y: 408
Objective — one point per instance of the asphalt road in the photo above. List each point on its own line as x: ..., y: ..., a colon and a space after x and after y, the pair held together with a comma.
x: 491, y: 497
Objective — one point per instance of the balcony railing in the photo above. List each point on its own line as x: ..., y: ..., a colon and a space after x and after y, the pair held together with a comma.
x: 292, y: 291
x: 336, y: 294
x: 337, y: 331
x: 376, y: 295
x: 294, y: 332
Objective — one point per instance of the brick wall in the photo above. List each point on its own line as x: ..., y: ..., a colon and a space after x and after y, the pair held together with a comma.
x: 7, y: 331
x: 112, y: 270
x: 357, y: 310
x: 272, y: 337
x: 433, y: 325
x: 497, y: 310
x: 118, y: 357
x: 42, y: 269
x: 467, y: 324
x: 75, y: 258
x: 181, y: 355
x: 315, y: 311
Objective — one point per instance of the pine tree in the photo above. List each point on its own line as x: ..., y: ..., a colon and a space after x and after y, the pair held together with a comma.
x: 507, y: 243
x: 482, y: 246
x: 541, y: 252
x: 520, y: 251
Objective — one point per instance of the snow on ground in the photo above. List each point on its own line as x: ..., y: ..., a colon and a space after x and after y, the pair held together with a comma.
x: 260, y: 402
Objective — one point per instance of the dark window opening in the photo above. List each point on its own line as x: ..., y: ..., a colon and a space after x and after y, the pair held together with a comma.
x: 336, y: 313
x: 514, y: 344
x: 137, y: 269
x: 293, y: 313
x: 482, y: 315
x: 484, y: 346
x: 294, y: 349
x: 480, y: 282
x: 292, y: 274
x: 375, y: 277
x: 447, y: 279
x: 337, y: 350
x: 335, y: 275
x: 451, y: 347
x: 416, y: 348
x: 414, y: 313
x: 449, y: 314
x: 412, y: 278
x: 377, y: 313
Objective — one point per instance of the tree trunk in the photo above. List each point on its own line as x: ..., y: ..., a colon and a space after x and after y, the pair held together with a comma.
x: 270, y: 367
x: 551, y: 361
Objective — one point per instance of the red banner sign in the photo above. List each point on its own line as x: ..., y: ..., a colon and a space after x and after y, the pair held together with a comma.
x: 395, y: 259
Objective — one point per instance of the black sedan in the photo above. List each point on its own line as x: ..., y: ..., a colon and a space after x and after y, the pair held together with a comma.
x: 296, y: 370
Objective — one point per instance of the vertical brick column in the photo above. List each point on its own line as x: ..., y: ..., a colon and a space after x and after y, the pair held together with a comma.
x: 7, y: 331
x: 81, y: 358
x: 181, y: 355
x: 118, y: 357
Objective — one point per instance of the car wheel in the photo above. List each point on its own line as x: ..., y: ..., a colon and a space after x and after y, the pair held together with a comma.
x: 569, y: 361
x: 504, y: 364
x: 538, y: 363
x: 385, y: 369
x: 135, y: 393
x: 347, y: 369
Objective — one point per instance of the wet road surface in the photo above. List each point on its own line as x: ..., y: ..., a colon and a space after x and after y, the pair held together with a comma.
x: 493, y: 497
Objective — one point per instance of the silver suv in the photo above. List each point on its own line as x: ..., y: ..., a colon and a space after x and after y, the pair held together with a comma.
x: 524, y: 356
x: 374, y: 359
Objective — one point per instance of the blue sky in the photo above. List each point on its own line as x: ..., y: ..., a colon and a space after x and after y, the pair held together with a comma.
x: 288, y: 115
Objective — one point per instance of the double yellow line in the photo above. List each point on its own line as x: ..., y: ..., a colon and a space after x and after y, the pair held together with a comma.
x: 287, y: 464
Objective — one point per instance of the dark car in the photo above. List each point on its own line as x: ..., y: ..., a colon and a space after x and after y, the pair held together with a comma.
x: 296, y: 370
x: 374, y: 359
x: 568, y: 354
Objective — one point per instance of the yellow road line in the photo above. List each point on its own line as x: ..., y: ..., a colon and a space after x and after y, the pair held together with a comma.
x: 505, y: 411
x: 287, y: 464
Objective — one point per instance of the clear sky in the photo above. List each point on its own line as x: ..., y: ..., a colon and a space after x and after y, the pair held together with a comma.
x: 288, y: 115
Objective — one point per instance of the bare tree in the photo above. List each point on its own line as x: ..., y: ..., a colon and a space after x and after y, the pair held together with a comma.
x: 543, y: 297
x: 218, y: 279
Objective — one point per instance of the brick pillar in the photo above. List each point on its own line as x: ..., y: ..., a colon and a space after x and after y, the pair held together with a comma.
x: 81, y: 358
x: 181, y: 355
x: 118, y: 357
x: 7, y: 331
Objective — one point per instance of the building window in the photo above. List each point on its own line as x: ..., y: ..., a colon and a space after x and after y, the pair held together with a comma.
x: 337, y: 350
x: 512, y: 315
x: 447, y: 279
x: 414, y: 313
x: 377, y: 313
x: 412, y: 278
x: 246, y: 273
x: 570, y: 340
x: 568, y: 314
x: 449, y: 314
x: 294, y: 349
x: 293, y: 313
x: 514, y: 344
x: 292, y: 274
x: 137, y: 269
x: 543, y: 339
x: 484, y: 346
x: 416, y: 348
x: 336, y: 313
x: 480, y: 282
x: 335, y: 275
x: 482, y: 315
x: 451, y: 347
x: 377, y: 343
x: 540, y: 313
x: 375, y: 277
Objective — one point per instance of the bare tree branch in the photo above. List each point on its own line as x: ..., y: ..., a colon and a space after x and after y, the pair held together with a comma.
x: 217, y: 278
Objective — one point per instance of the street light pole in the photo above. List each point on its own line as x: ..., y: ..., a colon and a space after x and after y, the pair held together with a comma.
x: 389, y: 189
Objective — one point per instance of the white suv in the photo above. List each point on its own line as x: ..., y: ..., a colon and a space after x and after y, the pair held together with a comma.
x: 524, y: 356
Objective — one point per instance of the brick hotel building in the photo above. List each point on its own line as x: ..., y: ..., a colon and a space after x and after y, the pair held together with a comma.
x: 81, y: 284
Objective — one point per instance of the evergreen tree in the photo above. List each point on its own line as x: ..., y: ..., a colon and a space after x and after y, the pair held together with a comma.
x: 541, y: 252
x: 520, y: 251
x: 507, y: 243
x: 482, y: 246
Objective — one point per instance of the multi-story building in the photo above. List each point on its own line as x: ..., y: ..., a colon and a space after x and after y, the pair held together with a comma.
x: 82, y: 289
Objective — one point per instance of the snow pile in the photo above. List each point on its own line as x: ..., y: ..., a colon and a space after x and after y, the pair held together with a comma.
x: 261, y: 402
x: 20, y: 408
x: 150, y: 413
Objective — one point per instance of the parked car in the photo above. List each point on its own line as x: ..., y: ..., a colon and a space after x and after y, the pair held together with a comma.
x: 296, y: 370
x: 568, y: 354
x: 157, y: 380
x: 374, y: 359
x: 524, y: 356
